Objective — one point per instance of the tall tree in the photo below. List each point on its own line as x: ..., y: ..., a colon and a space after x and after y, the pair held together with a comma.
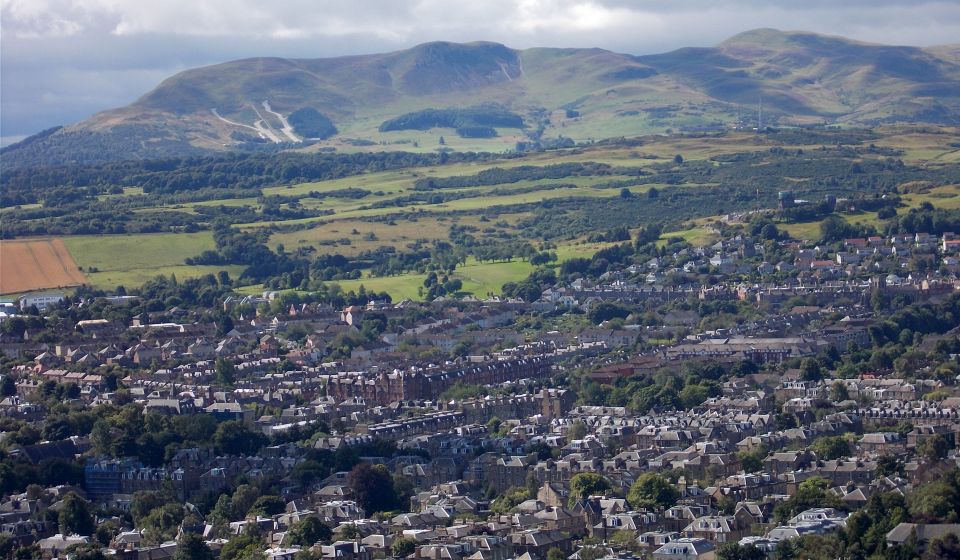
x: 225, y: 371
x: 266, y: 506
x: 243, y: 499
x: 831, y: 447
x: 577, y: 430
x: 191, y: 547
x: 233, y: 437
x: 583, y: 485
x: 308, y: 532
x: 75, y: 516
x: 372, y: 486
x: 934, y: 448
x: 652, y: 491
x: 8, y: 387
x: 734, y: 551
x: 403, y: 547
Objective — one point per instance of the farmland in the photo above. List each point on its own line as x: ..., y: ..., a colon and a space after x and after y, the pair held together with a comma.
x: 555, y: 200
x: 141, y: 257
x: 36, y: 264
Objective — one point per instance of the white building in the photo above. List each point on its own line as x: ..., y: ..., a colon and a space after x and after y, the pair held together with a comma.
x: 42, y: 300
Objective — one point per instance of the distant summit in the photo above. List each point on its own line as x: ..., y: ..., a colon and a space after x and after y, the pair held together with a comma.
x: 533, y: 96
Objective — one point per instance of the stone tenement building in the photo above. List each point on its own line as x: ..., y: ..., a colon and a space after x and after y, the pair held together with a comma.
x: 385, y: 387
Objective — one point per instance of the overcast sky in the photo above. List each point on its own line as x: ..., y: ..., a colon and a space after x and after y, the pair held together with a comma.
x: 63, y: 60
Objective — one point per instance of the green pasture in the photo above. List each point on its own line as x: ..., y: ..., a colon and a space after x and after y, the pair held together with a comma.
x: 130, y: 260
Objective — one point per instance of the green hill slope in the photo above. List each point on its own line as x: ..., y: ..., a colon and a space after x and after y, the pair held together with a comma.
x: 581, y: 94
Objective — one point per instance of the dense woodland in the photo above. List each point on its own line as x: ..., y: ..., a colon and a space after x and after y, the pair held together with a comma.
x: 484, y: 117
x: 27, y: 185
x: 312, y: 123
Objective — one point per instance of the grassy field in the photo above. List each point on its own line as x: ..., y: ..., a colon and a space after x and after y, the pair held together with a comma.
x: 479, y: 279
x: 805, y: 231
x: 110, y: 279
x: 127, y: 191
x: 920, y: 145
x: 20, y: 207
x: 130, y: 260
x: 366, y: 235
x: 698, y: 236
x: 946, y: 197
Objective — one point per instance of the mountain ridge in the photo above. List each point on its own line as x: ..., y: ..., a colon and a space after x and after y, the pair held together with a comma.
x: 560, y: 93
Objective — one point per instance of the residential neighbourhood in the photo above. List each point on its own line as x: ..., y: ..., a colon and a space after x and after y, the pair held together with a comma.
x: 645, y: 415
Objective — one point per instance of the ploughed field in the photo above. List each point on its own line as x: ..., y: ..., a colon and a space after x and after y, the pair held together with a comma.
x: 37, y: 264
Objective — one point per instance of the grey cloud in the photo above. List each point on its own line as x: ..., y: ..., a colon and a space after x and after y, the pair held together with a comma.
x: 62, y: 60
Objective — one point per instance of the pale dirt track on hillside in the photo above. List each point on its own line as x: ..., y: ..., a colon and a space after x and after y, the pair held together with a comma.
x: 37, y: 264
x: 287, y: 129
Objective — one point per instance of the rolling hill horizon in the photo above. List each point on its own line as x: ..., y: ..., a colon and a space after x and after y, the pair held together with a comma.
x: 487, y: 96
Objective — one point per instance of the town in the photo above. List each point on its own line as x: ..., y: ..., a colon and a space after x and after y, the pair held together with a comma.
x: 757, y: 397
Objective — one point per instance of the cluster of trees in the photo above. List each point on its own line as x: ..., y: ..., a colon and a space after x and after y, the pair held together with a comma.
x: 437, y: 286
x: 834, y: 228
x: 469, y: 117
x: 927, y: 219
x: 247, y: 249
x: 376, y: 490
x: 501, y: 175
x: 924, y: 318
x: 98, y: 218
x: 601, y: 261
x: 243, y: 170
x: 666, y: 390
x: 477, y: 132
x: 866, y: 529
x: 282, y: 270
x: 154, y: 438
x: 18, y: 475
x: 163, y: 292
x: 310, y: 123
x: 502, y: 251
x: 531, y: 288
x: 439, y: 197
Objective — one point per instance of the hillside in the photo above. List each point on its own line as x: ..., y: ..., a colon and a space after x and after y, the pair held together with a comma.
x: 503, y: 96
